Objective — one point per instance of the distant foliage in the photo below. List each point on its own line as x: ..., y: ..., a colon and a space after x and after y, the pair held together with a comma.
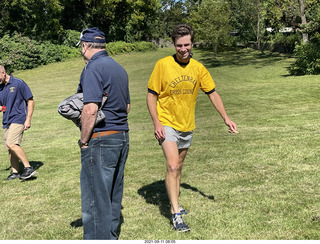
x: 285, y: 42
x: 123, y: 47
x: 307, y: 58
x: 70, y: 38
x: 19, y: 52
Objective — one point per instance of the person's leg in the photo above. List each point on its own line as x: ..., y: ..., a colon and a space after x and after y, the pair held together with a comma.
x: 13, y: 141
x: 182, y: 156
x: 14, y: 160
x: 173, y: 173
x: 117, y: 191
x: 13, y: 137
x: 17, y: 152
x: 100, y: 161
x: 174, y: 161
x: 95, y: 184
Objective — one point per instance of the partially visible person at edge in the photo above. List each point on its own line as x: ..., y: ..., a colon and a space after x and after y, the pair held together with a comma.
x: 105, y: 146
x: 172, y: 94
x: 16, y: 103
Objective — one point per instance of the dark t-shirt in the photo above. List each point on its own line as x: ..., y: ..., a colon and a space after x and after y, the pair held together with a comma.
x: 104, y: 74
x: 14, y: 96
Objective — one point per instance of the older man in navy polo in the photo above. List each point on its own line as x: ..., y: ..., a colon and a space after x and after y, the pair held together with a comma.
x: 105, y: 146
x: 16, y: 103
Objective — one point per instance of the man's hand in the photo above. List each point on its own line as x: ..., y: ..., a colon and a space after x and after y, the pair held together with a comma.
x: 27, y: 124
x: 159, y: 132
x: 232, y: 126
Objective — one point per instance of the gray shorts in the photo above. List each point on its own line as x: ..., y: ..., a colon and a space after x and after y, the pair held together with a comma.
x: 183, y: 139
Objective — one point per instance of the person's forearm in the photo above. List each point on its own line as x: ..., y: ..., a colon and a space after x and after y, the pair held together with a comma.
x: 218, y: 104
x: 88, y: 118
x: 30, y: 109
x: 152, y: 107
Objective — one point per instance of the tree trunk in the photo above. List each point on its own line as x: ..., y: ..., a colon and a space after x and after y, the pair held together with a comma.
x: 258, y: 33
x: 305, y: 36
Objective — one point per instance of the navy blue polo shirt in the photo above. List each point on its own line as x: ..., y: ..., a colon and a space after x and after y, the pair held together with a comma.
x: 14, y: 95
x: 103, y: 74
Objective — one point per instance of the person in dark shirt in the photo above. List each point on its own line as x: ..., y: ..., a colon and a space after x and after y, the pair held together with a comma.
x: 17, y: 105
x: 105, y: 146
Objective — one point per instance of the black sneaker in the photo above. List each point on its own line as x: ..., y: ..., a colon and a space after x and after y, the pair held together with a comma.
x: 178, y: 224
x: 27, y: 173
x: 13, y: 176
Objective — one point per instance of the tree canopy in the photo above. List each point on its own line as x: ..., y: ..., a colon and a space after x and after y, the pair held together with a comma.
x: 145, y: 20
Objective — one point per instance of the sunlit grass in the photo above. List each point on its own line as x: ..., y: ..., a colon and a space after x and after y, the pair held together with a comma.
x: 262, y: 183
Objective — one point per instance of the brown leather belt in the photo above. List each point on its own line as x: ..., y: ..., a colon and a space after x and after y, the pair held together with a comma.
x: 104, y: 133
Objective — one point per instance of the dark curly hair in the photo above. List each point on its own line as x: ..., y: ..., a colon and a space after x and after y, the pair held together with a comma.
x: 182, y: 30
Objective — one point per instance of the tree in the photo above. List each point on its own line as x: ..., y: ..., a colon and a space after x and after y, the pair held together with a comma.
x: 39, y: 19
x: 74, y: 15
x: 302, y: 4
x: 212, y: 23
x: 302, y: 15
x: 124, y: 20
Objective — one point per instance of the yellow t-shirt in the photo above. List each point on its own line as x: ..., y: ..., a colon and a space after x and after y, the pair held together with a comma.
x: 177, y: 87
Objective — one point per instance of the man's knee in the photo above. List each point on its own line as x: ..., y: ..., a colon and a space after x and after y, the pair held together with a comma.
x: 174, y: 167
x: 12, y: 146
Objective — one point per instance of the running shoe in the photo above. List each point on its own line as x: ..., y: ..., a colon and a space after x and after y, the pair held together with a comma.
x: 13, y: 176
x: 27, y: 173
x: 182, y: 210
x: 178, y: 224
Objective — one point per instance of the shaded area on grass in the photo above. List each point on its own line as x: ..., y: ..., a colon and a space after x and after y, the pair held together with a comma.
x: 240, y: 57
x: 78, y: 223
x: 34, y: 164
x: 156, y: 194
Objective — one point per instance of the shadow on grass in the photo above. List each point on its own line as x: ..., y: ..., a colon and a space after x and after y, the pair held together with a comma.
x: 156, y: 194
x: 239, y: 57
x: 78, y: 223
x: 35, y: 165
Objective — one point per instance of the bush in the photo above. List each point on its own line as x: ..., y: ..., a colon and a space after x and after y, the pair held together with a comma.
x: 18, y: 52
x: 145, y: 46
x: 51, y: 53
x: 70, y: 38
x: 124, y: 47
x: 285, y: 43
x: 307, y: 58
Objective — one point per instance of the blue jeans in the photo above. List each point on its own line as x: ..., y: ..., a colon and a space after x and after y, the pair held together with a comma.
x: 101, y: 180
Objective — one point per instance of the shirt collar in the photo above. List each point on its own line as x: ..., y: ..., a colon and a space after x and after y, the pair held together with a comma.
x: 98, y: 55
x: 177, y: 61
x: 10, y: 79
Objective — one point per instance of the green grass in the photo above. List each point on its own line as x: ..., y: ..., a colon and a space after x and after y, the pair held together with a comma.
x: 262, y: 183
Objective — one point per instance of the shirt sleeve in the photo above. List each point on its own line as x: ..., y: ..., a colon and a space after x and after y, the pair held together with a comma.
x: 207, y: 84
x: 25, y: 91
x: 154, y: 84
x: 92, y: 86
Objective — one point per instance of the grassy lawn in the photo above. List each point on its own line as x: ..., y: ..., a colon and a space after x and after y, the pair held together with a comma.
x: 263, y: 183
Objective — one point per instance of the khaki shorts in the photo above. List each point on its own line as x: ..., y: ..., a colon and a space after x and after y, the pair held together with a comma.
x: 13, y: 134
x: 183, y: 139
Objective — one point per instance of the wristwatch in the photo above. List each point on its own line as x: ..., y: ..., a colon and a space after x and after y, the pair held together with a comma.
x: 81, y: 144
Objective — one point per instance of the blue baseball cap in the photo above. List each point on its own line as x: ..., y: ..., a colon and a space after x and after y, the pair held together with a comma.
x: 92, y: 35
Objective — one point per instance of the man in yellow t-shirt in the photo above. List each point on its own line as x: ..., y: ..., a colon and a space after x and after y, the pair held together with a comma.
x: 172, y: 94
